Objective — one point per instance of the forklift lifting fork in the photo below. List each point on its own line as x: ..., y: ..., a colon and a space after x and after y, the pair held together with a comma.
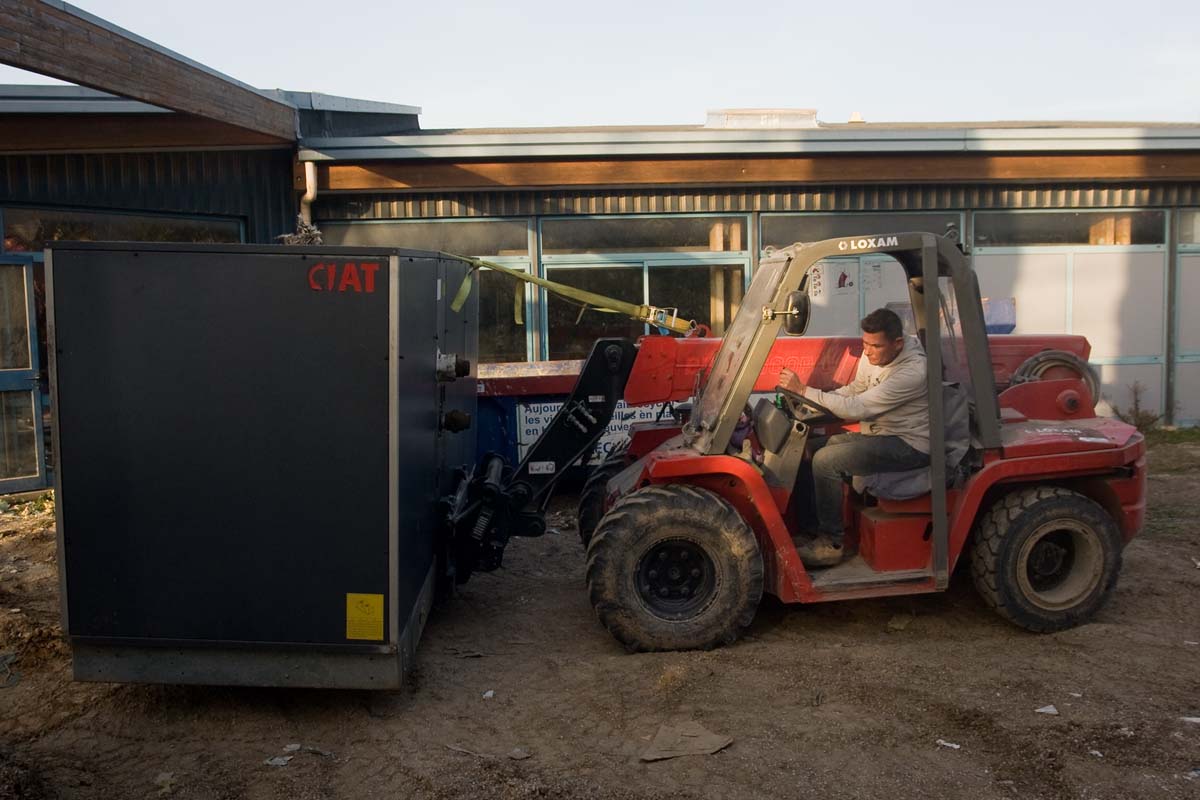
x: 1041, y: 496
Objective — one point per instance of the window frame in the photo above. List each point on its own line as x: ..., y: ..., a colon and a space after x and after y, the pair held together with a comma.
x: 745, y: 217
x: 974, y: 215
x: 1190, y: 247
x: 6, y: 207
x: 763, y: 216
x: 529, y: 228
x: 647, y: 259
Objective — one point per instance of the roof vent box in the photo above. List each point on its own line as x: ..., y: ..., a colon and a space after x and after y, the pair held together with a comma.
x: 762, y: 118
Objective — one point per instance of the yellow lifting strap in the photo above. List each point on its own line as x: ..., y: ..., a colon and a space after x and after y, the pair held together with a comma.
x: 662, y: 317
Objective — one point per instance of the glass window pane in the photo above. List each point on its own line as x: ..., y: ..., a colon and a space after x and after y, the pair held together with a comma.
x: 27, y: 229
x: 1071, y: 227
x: 1189, y: 226
x: 572, y: 336
x: 781, y: 230
x: 654, y: 234
x: 14, y: 319
x: 734, y: 346
x: 18, y: 435
x: 479, y: 238
x: 500, y: 337
x: 708, y: 295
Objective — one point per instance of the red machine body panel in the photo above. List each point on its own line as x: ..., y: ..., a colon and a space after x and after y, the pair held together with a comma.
x: 1060, y: 398
x: 666, y: 366
x: 1114, y: 476
x: 893, y: 542
x: 892, y: 535
x: 646, y: 436
x: 1050, y: 434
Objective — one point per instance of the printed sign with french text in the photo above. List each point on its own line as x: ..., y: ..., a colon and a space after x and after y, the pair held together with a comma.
x: 532, y: 419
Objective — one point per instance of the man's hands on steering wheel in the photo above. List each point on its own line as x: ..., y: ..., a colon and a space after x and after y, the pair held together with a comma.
x: 792, y: 390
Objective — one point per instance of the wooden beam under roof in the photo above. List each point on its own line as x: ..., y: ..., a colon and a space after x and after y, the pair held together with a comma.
x: 114, y: 133
x: 61, y: 41
x: 546, y: 174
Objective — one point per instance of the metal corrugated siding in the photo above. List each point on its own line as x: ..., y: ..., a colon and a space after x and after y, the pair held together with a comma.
x: 923, y: 197
x: 255, y: 186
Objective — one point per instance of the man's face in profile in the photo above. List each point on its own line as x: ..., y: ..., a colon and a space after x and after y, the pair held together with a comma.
x: 881, y: 350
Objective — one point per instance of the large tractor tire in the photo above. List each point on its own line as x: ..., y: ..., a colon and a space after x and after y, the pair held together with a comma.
x: 1046, y: 558
x: 674, y: 568
x: 1050, y: 365
x: 595, y: 490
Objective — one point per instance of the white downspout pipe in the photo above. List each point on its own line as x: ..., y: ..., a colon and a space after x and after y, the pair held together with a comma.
x: 310, y: 191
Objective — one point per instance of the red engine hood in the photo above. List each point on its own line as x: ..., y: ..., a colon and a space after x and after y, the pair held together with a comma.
x: 666, y: 367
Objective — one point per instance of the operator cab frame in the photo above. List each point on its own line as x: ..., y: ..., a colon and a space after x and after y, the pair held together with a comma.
x: 780, y: 292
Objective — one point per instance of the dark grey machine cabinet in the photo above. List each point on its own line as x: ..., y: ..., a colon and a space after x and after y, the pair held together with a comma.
x: 251, y: 452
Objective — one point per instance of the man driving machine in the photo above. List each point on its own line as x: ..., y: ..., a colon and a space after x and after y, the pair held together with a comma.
x: 890, y: 398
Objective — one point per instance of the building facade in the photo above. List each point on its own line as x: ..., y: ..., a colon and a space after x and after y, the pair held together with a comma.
x: 1088, y: 229
x: 82, y: 165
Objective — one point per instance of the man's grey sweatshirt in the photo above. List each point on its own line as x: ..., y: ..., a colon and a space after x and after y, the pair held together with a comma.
x: 892, y: 400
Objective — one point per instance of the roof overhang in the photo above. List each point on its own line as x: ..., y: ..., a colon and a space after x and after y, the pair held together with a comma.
x: 40, y: 99
x: 57, y: 39
x: 845, y: 140
x: 318, y: 101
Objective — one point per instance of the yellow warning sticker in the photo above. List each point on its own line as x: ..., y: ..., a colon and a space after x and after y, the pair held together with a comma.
x: 364, y: 616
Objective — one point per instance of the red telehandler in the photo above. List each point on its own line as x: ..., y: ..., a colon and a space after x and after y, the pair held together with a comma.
x: 687, y: 527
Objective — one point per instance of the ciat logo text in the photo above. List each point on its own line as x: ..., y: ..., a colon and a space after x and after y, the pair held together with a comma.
x: 347, y: 276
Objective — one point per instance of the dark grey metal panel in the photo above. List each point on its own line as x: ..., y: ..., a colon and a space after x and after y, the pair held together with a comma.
x: 255, y: 186
x: 257, y: 666
x: 223, y: 447
x: 937, y: 428
x: 911, y: 197
x: 218, y: 666
x: 459, y: 336
x: 416, y: 418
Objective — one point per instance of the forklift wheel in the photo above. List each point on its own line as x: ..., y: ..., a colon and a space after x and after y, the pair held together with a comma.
x: 1046, y: 558
x: 674, y: 568
x: 591, y: 498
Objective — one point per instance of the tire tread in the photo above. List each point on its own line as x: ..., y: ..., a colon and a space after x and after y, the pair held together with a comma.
x: 994, y: 529
x: 637, y: 511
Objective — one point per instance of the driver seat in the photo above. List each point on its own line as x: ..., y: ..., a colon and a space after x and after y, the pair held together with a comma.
x: 904, y: 485
x: 909, y: 485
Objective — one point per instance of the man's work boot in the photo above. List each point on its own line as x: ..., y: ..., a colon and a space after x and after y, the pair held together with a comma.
x: 821, y: 552
x: 804, y: 538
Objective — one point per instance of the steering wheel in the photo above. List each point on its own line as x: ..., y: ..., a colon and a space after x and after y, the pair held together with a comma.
x: 813, y: 411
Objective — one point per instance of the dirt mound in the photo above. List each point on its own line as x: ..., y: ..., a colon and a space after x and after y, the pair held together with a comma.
x: 19, y: 781
x: 34, y: 643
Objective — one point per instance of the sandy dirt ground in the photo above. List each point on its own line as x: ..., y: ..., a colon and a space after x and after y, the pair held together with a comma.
x: 844, y: 700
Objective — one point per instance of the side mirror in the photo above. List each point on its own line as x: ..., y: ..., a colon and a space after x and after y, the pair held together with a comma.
x: 796, y: 321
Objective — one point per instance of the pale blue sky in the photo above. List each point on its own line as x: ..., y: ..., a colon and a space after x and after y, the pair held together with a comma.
x: 475, y: 64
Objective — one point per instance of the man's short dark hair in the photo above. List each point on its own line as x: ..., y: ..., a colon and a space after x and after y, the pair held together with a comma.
x: 883, y: 320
